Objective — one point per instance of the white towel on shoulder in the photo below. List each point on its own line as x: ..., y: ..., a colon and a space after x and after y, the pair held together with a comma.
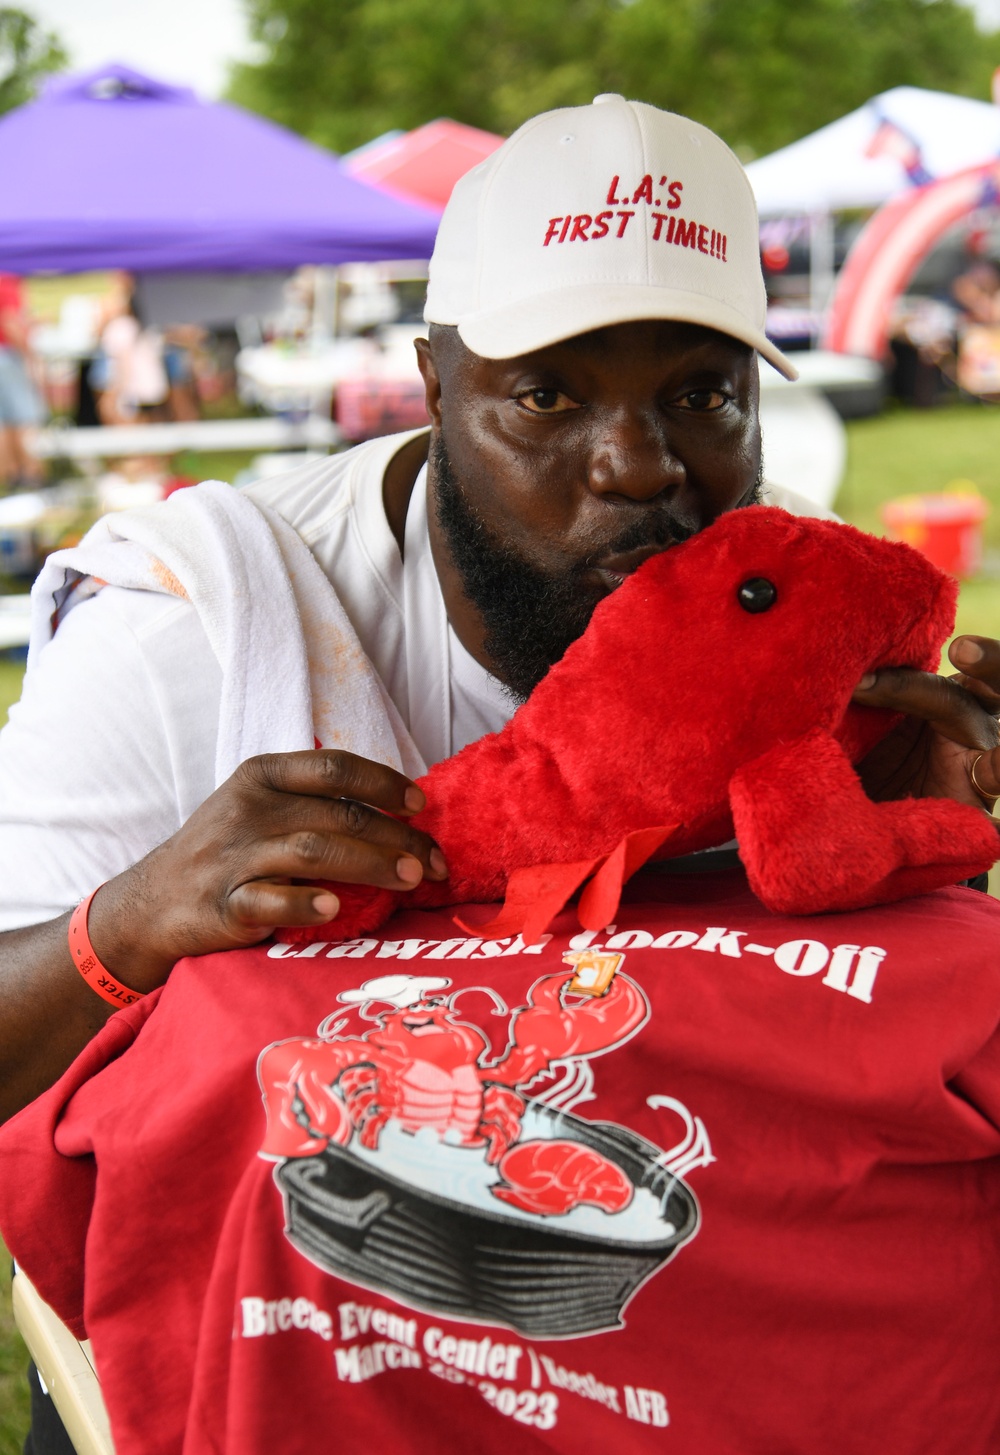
x: 293, y: 669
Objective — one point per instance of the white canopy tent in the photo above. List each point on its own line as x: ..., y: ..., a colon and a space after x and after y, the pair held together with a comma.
x: 896, y: 140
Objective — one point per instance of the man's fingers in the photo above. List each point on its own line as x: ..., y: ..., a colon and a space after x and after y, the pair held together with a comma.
x: 939, y: 701
x: 306, y: 854
x: 977, y: 657
x: 981, y: 691
x: 351, y: 820
x: 259, y: 906
x: 330, y: 773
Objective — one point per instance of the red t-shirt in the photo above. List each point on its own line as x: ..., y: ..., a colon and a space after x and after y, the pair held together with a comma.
x: 743, y: 1200
x: 11, y: 301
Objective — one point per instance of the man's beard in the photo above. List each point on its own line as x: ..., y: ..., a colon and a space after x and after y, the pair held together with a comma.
x: 531, y: 615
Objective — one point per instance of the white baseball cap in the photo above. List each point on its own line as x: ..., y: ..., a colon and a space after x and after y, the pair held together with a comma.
x: 594, y: 215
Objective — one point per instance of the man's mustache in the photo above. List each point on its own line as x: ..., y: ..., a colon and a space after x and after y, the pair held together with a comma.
x: 655, y: 527
x: 657, y: 524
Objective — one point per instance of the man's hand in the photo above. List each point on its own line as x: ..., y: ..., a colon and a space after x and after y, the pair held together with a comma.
x: 950, y: 722
x: 224, y: 879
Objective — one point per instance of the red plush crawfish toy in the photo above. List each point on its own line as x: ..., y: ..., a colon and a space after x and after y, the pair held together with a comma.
x: 629, y: 748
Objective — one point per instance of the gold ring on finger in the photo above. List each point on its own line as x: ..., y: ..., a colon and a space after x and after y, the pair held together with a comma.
x: 990, y: 798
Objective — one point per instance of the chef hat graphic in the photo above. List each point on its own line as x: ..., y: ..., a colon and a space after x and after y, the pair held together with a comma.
x: 400, y: 991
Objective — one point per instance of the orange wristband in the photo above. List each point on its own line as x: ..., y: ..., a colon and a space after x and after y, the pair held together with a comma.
x: 86, y: 961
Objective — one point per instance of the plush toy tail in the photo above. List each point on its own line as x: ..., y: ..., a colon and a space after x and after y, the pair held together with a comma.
x: 537, y: 894
x: 812, y: 841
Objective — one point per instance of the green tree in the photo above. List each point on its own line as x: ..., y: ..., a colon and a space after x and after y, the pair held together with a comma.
x: 343, y: 73
x: 765, y: 73
x: 27, y: 53
x: 761, y: 72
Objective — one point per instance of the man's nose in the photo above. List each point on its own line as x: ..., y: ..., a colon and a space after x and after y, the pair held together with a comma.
x: 631, y: 457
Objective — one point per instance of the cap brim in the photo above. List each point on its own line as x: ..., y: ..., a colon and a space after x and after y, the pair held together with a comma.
x: 535, y: 323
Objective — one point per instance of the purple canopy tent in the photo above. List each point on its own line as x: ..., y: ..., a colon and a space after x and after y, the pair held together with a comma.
x: 115, y: 170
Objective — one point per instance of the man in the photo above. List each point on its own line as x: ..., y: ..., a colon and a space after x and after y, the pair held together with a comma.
x: 595, y: 305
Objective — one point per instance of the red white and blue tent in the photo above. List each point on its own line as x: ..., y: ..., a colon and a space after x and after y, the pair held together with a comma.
x: 899, y: 140
x: 891, y: 247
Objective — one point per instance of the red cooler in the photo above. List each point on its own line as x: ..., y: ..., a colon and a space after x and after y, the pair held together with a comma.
x: 947, y: 528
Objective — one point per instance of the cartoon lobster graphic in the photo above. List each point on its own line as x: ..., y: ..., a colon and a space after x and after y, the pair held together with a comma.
x: 422, y: 1067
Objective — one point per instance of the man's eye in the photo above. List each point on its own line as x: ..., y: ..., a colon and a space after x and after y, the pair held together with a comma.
x: 546, y: 401
x: 703, y: 400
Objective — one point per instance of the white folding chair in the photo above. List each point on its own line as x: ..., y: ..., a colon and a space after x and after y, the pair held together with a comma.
x: 66, y: 1368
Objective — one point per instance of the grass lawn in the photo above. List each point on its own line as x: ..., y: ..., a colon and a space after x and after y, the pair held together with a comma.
x: 197, y: 465
x: 11, y: 673
x: 13, y: 1362
x: 46, y: 295
x: 897, y: 453
x: 903, y: 452
x: 13, y: 1355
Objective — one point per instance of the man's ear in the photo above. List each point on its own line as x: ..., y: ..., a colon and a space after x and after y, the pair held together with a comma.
x: 431, y: 378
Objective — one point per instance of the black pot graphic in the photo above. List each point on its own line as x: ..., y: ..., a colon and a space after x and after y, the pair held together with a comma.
x: 436, y: 1253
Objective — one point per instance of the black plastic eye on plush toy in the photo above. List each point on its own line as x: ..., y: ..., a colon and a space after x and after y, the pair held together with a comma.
x: 756, y: 595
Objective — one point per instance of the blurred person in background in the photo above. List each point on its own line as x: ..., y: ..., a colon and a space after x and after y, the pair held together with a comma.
x: 977, y: 292
x: 135, y: 385
x: 180, y: 344
x: 21, y: 406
